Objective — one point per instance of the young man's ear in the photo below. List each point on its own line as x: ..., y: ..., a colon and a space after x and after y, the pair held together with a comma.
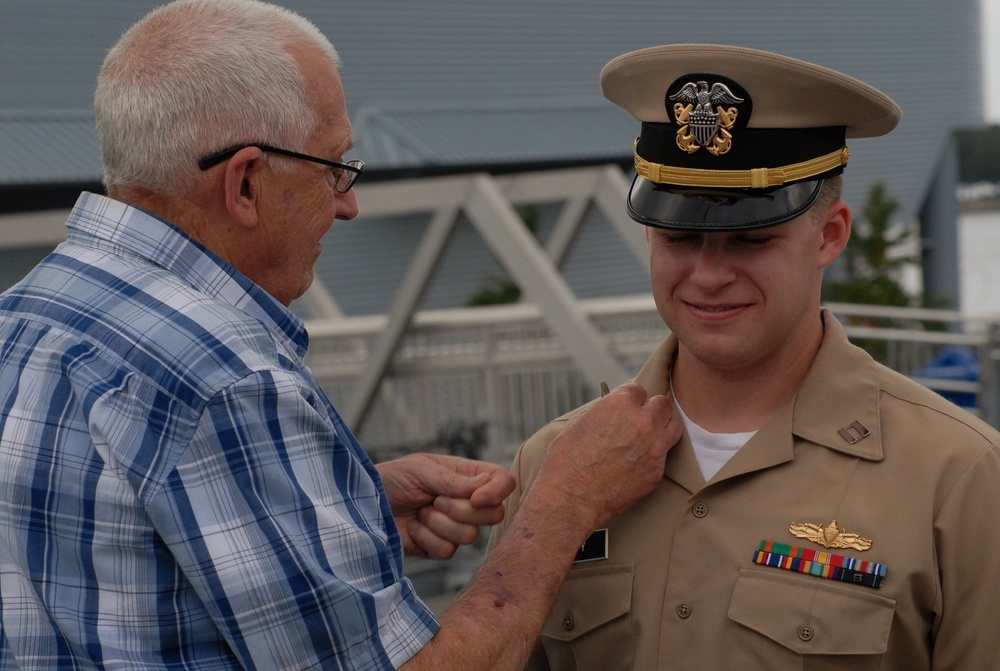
x: 836, y: 231
x: 242, y: 185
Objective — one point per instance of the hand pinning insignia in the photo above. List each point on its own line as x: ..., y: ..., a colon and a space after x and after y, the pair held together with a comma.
x: 829, y: 536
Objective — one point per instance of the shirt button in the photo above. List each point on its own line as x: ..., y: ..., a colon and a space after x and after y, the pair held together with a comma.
x: 684, y: 611
x: 699, y: 510
x: 806, y: 632
x: 568, y: 622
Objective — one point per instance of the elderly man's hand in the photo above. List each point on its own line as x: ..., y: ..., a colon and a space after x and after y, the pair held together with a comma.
x: 608, y: 457
x: 439, y: 501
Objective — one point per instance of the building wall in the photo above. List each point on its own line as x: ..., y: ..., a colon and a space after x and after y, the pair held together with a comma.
x: 442, y: 83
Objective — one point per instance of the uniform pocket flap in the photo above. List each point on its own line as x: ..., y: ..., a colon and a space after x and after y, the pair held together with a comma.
x: 810, y: 617
x: 591, y: 596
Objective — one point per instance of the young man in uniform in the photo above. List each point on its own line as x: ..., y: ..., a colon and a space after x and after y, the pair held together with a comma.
x: 821, y: 511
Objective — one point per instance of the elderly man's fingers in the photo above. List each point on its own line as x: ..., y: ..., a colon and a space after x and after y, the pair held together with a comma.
x: 428, y: 544
x: 465, y: 511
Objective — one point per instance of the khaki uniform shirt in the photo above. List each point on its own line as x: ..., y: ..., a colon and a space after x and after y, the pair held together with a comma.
x: 679, y: 588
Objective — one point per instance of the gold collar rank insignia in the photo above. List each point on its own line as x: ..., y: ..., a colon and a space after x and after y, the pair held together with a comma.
x: 829, y: 536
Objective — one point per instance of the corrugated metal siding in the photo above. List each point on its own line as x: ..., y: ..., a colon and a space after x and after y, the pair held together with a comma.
x: 453, y: 81
x: 48, y: 146
x: 490, y: 135
x: 444, y: 82
x: 50, y: 51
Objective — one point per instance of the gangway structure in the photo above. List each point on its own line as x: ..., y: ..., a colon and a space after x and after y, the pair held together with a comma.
x: 485, y: 378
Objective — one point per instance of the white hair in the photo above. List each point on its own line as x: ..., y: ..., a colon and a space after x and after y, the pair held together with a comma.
x: 194, y: 77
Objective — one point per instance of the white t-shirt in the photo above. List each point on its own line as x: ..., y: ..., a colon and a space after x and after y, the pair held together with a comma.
x: 712, y: 450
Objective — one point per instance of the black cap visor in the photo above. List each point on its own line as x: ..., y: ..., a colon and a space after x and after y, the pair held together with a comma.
x: 700, y: 209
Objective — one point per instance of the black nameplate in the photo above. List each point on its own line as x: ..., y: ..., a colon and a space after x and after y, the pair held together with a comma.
x: 594, y: 548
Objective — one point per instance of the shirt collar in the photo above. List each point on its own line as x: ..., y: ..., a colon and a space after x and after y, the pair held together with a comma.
x: 102, y: 222
x: 837, y: 405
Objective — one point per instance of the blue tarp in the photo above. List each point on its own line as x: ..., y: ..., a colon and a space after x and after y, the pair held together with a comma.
x: 953, y: 363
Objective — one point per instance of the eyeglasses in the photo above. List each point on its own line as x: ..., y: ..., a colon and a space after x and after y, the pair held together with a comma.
x: 344, y: 174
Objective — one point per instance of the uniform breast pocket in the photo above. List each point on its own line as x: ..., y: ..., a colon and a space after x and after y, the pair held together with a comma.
x: 806, y: 623
x: 589, y: 627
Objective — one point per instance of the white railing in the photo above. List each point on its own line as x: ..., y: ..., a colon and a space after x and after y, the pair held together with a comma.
x: 909, y: 339
x: 479, y: 381
x: 495, y: 373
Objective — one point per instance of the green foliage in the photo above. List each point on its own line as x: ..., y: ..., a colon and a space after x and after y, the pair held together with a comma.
x: 873, y: 274
x: 495, y: 290
x: 872, y: 266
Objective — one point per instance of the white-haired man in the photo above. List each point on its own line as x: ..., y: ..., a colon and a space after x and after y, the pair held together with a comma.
x: 176, y: 491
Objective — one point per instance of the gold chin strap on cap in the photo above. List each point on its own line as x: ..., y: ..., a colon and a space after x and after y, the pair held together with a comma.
x: 755, y: 178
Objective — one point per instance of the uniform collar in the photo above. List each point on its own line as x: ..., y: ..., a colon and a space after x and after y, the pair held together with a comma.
x: 839, y: 397
x: 681, y: 465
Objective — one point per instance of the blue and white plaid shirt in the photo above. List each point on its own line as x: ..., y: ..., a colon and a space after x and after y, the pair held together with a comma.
x: 176, y: 491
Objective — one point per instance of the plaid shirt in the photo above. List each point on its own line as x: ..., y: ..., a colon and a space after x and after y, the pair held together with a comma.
x: 176, y: 491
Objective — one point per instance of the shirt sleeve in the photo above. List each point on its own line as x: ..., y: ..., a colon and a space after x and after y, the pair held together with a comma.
x: 967, y: 546
x: 281, y: 527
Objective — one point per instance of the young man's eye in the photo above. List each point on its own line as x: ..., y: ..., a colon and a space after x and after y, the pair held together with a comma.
x: 756, y: 240
x: 680, y: 239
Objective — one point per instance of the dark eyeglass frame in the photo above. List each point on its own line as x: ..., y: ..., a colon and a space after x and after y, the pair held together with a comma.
x: 344, y: 172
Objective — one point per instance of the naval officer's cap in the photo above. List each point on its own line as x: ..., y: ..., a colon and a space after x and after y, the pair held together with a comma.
x: 735, y: 138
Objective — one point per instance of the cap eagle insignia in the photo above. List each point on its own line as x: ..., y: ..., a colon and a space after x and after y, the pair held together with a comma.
x: 703, y: 121
x: 829, y: 536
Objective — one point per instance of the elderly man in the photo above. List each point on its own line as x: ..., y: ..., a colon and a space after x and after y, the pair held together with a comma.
x: 820, y: 511
x: 176, y: 491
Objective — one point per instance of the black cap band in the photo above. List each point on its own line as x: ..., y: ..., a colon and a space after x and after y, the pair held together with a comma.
x: 756, y: 147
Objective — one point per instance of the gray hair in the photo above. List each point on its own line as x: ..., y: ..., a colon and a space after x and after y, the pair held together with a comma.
x: 196, y: 76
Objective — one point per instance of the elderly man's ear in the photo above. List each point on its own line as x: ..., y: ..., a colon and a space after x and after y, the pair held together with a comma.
x: 242, y: 184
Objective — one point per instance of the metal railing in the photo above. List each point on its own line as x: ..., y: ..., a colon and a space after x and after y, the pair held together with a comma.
x: 479, y: 381
x: 912, y: 340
